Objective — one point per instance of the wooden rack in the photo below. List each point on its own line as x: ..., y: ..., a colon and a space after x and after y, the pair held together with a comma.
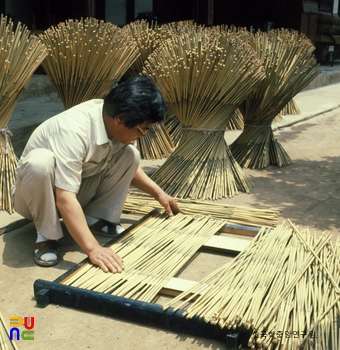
x: 55, y: 292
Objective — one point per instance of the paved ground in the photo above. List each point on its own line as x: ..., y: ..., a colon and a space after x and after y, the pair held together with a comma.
x: 306, y: 192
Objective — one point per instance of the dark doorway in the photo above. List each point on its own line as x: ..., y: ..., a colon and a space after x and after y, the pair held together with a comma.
x: 51, y: 12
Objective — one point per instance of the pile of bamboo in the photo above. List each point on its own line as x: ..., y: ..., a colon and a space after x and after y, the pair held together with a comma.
x: 86, y: 58
x: 284, y: 286
x: 20, y: 55
x: 153, y: 253
x: 290, y: 65
x: 136, y: 203
x: 203, y: 82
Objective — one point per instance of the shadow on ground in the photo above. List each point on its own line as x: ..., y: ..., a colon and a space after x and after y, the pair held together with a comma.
x: 307, y: 191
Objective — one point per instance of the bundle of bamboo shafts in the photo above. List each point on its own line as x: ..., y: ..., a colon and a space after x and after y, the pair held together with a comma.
x: 290, y: 65
x: 157, y: 143
x: 86, y: 58
x: 20, y: 55
x: 153, y: 253
x: 203, y: 82
x: 5, y: 342
x: 284, y: 286
x: 137, y: 203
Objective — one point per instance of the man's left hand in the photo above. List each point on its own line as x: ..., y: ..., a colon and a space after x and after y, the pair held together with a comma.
x: 170, y: 205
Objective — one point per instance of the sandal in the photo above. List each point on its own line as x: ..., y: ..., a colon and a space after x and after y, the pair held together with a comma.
x: 49, y: 246
x: 113, y: 230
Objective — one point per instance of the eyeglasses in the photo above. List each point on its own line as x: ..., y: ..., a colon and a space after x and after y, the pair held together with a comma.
x: 143, y: 133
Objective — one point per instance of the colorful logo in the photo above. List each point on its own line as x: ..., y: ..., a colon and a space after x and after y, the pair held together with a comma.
x: 17, y: 321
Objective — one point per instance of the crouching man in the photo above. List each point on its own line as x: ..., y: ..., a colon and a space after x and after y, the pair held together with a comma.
x: 79, y: 165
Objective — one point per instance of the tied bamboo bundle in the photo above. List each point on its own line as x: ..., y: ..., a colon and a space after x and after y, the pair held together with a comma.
x: 86, y: 58
x: 137, y: 203
x: 290, y: 65
x: 20, y: 55
x: 282, y: 286
x: 157, y: 143
x: 203, y: 83
x: 153, y: 253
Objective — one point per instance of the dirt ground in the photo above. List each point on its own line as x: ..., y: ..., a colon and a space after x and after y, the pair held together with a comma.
x: 307, y: 192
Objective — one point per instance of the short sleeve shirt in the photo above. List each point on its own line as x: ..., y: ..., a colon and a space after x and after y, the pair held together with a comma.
x: 79, y: 141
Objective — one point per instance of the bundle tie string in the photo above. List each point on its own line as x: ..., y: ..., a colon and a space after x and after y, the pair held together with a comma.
x: 258, y: 126
x: 6, y: 132
x: 205, y: 129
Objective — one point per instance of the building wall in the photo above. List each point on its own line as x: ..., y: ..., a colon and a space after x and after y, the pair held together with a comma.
x: 282, y: 13
x: 143, y: 6
x: 116, y: 10
x: 54, y: 11
x: 19, y: 11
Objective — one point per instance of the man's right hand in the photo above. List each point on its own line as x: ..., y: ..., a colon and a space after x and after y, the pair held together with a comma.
x: 106, y: 259
x: 75, y: 222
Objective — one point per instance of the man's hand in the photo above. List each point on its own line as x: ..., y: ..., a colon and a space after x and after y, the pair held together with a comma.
x: 170, y: 205
x: 75, y: 222
x: 144, y: 183
x: 106, y: 259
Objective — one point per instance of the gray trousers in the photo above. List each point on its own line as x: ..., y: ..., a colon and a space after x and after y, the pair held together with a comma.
x: 102, y: 195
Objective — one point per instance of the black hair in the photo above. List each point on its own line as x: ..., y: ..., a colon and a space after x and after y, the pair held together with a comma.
x: 136, y: 100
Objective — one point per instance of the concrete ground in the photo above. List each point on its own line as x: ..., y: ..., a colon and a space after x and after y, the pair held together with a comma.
x: 307, y: 192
